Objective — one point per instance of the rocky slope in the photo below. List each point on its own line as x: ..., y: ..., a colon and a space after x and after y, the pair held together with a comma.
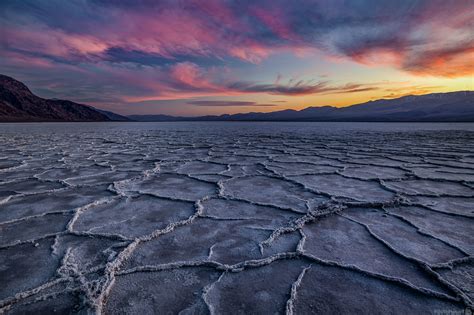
x: 18, y: 103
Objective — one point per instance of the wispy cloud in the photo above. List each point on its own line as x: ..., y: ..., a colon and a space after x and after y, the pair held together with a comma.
x: 300, y: 88
x: 395, y: 92
x: 181, y: 49
x: 229, y: 103
x: 419, y: 36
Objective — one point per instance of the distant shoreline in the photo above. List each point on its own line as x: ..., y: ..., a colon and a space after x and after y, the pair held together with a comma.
x: 246, y: 121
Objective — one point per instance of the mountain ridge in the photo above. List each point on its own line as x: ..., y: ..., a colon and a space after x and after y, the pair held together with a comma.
x: 19, y: 104
x: 435, y: 107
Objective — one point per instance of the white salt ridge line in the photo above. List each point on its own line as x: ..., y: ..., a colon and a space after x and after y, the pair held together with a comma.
x: 14, y: 180
x: 289, y: 310
x: 209, y: 256
x: 453, y: 263
x: 223, y: 195
x: 158, y: 196
x: 383, y: 277
x: 80, y: 210
x: 120, y: 187
x: 426, y: 232
x: 312, y: 190
x: 301, y: 243
x: 239, y: 267
x: 235, y: 268
x: 460, y: 167
x: 114, y: 266
x: 91, y: 230
x: 421, y: 231
x: 397, y: 200
x: 460, y: 293
x: 262, y: 204
x: 36, y: 216
x: 34, y: 193
x: 376, y: 180
x: 5, y: 200
x: 225, y: 171
x: 46, y: 297
x: 192, y: 177
x: 424, y: 265
x: 431, y: 195
x: 69, y: 269
x: 55, y: 246
x: 205, y: 295
x: 321, y: 211
x: 81, y: 288
x: 110, y: 236
x: 5, y: 304
x: 195, y: 176
x: 428, y: 207
x: 63, y: 270
x: 9, y: 169
x: 31, y: 241
x: 66, y: 181
x: 211, y: 217
x: 155, y: 170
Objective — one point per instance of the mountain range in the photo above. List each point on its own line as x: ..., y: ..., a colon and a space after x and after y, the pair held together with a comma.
x: 18, y: 103
x: 436, y: 107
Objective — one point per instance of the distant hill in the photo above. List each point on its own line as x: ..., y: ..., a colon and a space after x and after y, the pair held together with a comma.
x: 112, y: 116
x: 442, y: 107
x: 18, y: 103
x: 157, y: 118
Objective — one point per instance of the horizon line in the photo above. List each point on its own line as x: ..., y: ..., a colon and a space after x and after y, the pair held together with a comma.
x: 296, y: 110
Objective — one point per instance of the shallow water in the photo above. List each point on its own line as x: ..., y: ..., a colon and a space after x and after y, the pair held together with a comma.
x: 244, y: 217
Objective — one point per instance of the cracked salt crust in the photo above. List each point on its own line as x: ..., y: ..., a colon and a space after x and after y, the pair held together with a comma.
x: 214, y: 218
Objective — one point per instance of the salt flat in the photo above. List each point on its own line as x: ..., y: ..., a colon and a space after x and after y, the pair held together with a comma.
x: 236, y: 218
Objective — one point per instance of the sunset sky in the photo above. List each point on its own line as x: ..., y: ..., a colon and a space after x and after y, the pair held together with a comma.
x: 213, y: 57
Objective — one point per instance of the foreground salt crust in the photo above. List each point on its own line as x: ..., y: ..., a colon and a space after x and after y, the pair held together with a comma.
x: 235, y: 220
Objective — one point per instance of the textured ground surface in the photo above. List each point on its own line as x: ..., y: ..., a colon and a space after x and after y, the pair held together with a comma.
x: 236, y: 218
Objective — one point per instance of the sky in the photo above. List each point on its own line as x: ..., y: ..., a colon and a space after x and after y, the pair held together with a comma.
x: 199, y: 57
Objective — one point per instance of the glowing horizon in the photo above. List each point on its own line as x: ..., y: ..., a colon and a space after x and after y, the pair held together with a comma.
x: 215, y: 57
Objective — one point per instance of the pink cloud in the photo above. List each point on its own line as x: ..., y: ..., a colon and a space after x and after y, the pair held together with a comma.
x: 53, y: 42
x: 191, y: 76
x: 216, y: 29
x: 274, y: 18
x: 74, y: 48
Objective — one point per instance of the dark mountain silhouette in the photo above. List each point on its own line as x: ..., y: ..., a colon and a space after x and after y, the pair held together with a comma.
x: 449, y: 107
x: 18, y: 103
x: 159, y: 118
x: 112, y: 116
